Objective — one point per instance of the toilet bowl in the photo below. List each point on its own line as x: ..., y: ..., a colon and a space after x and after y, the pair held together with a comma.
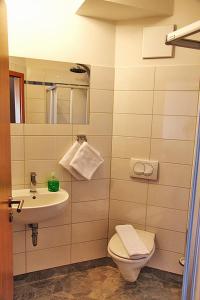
x: 130, y: 267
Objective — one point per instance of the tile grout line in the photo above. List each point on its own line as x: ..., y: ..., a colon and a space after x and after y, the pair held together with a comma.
x: 150, y: 141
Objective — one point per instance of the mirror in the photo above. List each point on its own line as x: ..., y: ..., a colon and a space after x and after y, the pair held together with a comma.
x: 48, y: 92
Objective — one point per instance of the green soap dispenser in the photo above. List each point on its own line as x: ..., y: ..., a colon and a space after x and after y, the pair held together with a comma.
x: 53, y: 183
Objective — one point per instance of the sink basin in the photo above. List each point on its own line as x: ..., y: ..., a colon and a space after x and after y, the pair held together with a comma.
x: 39, y: 206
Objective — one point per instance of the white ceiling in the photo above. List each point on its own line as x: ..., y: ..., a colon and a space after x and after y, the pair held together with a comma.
x: 116, y: 10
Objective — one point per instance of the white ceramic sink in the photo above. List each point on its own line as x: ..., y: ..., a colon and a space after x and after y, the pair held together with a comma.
x: 46, y: 205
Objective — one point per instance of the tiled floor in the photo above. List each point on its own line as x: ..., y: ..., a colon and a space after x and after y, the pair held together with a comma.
x: 99, y: 280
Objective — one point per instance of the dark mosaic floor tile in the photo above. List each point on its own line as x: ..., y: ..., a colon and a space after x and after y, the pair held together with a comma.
x: 97, y: 280
x: 58, y: 271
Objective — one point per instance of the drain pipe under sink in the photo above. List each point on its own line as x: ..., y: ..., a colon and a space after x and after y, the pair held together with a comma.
x: 34, y: 228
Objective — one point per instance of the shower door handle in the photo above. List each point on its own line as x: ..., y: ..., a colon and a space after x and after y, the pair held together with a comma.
x: 182, y: 261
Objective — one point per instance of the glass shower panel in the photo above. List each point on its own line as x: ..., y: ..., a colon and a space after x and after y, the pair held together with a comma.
x: 63, y: 104
x: 67, y: 104
x: 79, y: 105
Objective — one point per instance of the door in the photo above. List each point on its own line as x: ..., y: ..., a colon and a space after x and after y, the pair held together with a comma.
x: 6, y: 276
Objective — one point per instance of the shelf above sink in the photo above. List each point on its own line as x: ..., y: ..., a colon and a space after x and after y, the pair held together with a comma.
x: 118, y: 10
x: 40, y: 206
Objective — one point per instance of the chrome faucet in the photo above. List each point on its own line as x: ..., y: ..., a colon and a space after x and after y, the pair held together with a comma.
x: 33, y: 182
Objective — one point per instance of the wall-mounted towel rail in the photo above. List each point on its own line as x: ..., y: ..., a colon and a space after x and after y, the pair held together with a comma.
x: 81, y: 138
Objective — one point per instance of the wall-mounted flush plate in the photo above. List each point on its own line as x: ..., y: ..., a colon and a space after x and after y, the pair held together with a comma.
x: 146, y: 169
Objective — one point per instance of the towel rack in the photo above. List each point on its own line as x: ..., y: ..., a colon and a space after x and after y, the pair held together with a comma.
x: 81, y: 138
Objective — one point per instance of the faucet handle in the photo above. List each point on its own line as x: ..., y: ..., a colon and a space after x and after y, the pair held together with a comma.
x: 33, y: 174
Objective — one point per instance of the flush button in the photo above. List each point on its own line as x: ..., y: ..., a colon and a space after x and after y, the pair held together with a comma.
x: 145, y: 169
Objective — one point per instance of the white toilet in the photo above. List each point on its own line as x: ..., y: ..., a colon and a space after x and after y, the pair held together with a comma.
x: 130, y: 267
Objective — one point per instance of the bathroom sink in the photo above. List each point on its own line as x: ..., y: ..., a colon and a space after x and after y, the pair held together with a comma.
x: 39, y: 206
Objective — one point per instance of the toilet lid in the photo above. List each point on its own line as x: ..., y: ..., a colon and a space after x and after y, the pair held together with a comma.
x: 116, y: 246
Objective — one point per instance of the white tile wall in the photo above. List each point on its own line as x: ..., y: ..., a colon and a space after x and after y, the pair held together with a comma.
x: 132, y: 125
x: 134, y: 78
x: 154, y: 117
x: 88, y: 231
x: 47, y: 258
x: 89, y: 250
x: 19, y: 263
x: 80, y: 233
x: 178, y: 78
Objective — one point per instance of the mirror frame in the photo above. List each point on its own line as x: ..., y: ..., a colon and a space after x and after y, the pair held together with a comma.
x: 21, y: 87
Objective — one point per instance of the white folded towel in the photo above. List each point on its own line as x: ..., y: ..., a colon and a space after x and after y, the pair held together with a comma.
x: 86, y: 161
x: 131, y: 240
x: 65, y: 161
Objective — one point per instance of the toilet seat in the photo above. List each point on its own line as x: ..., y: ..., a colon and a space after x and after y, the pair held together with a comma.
x: 116, y: 246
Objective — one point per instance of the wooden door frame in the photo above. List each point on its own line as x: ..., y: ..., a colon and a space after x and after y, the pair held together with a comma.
x: 6, y: 264
x: 22, y: 105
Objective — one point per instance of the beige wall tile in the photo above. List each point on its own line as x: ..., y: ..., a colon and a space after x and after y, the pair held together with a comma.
x: 17, y: 227
x: 132, y: 125
x: 90, y: 190
x: 102, y: 78
x: 136, y: 102
x: 128, y: 191
x: 99, y: 124
x: 35, y: 91
x: 172, y: 151
x: 113, y: 223
x: 35, y: 74
x: 36, y: 118
x: 62, y: 173
x: 89, y: 211
x: 126, y: 147
x: 40, y: 147
x: 35, y: 105
x: 175, y: 175
x: 104, y: 170
x: 47, y: 129
x: 48, y: 258
x: 16, y: 129
x: 54, y: 75
x: 134, y: 78
x: 131, y: 212
x: 169, y: 240
x: 166, y: 218
x: 166, y: 261
x: 43, y: 169
x: 101, y: 101
x: 103, y: 144
x: 49, y: 237
x: 168, y: 196
x: 19, y: 265
x: 19, y: 242
x: 120, y: 169
x: 89, y: 250
x: 96, y: 230
x: 18, y: 187
x: 173, y: 127
x: 62, y: 145
x: 177, y: 78
x: 17, y: 148
x: 177, y: 103
x: 17, y: 171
